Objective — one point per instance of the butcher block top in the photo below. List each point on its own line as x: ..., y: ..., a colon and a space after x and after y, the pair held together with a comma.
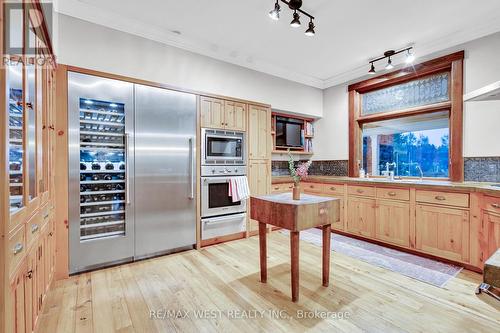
x: 295, y: 215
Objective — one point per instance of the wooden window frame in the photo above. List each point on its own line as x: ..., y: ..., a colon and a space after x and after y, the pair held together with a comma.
x: 453, y: 64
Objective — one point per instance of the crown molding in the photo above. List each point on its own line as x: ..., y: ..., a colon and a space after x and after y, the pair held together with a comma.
x: 87, y: 12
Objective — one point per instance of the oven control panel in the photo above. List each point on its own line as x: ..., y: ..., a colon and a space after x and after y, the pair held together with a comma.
x: 223, y: 170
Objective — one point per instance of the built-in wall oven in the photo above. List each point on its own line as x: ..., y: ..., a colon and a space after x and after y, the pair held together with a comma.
x: 221, y: 147
x: 223, y: 158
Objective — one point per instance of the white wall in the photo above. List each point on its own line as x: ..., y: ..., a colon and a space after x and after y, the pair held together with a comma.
x: 481, y: 119
x: 84, y: 44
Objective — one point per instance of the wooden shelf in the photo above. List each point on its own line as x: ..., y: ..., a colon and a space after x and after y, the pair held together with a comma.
x: 293, y: 152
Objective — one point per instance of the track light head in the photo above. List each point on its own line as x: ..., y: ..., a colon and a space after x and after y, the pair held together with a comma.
x: 310, y: 31
x: 389, y: 64
x: 410, y: 57
x: 296, y: 20
x: 275, y: 13
x: 372, y: 70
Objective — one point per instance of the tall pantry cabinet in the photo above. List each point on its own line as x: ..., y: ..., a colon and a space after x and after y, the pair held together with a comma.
x: 259, y: 154
x: 27, y: 242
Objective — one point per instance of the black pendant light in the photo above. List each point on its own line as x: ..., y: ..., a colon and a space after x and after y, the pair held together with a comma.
x: 295, y: 23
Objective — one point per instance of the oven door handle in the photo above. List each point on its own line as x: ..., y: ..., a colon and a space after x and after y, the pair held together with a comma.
x: 221, y: 220
x: 192, y: 160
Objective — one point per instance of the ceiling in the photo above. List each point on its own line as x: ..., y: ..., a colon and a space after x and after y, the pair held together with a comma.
x: 348, y: 33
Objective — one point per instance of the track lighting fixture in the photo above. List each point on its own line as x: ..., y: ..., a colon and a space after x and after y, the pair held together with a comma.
x: 389, y: 64
x: 372, y: 70
x: 410, y: 57
x: 296, y: 20
x: 295, y: 23
x: 310, y: 31
x: 275, y: 13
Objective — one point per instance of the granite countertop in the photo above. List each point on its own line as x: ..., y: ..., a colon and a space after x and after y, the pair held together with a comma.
x: 487, y: 188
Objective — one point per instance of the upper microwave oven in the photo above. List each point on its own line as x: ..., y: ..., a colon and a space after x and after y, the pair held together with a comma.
x: 220, y: 147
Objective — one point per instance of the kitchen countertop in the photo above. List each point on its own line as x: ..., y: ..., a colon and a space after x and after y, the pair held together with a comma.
x: 487, y: 188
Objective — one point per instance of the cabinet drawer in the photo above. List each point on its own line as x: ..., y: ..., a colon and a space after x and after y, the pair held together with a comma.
x: 443, y: 198
x: 393, y: 193
x: 278, y: 188
x: 16, y: 249
x: 361, y: 190
x: 312, y: 187
x: 33, y: 228
x: 491, y: 204
x: 333, y: 189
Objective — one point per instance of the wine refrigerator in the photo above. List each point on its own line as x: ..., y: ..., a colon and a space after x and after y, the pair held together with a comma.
x: 131, y: 171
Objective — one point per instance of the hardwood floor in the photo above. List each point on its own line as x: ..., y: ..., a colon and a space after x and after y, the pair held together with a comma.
x: 224, y: 279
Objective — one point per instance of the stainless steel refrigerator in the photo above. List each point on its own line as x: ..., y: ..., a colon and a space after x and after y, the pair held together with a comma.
x: 132, y: 172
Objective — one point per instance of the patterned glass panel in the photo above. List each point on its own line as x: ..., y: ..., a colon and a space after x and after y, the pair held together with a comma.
x: 429, y: 90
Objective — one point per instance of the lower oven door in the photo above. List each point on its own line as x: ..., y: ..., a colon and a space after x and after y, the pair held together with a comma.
x: 223, y: 225
x: 215, y: 199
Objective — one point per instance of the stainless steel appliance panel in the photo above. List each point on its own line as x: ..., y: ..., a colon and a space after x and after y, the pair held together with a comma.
x: 223, y: 225
x: 221, y: 147
x: 165, y: 176
x: 88, y: 251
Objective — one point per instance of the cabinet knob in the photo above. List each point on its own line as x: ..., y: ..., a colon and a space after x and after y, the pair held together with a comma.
x: 392, y: 194
x: 29, y: 275
x: 17, y: 248
x: 332, y: 188
x: 359, y: 190
x: 495, y: 205
x: 440, y: 198
x: 34, y: 228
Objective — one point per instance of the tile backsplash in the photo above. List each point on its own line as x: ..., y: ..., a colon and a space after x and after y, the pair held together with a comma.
x: 476, y: 169
x: 482, y: 169
x: 318, y: 168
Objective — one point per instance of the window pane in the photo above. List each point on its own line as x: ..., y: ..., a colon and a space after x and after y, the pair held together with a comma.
x: 411, y: 143
x: 429, y: 90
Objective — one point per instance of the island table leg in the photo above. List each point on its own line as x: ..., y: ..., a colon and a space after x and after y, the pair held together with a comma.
x: 327, y: 232
x: 263, y: 251
x: 294, y: 249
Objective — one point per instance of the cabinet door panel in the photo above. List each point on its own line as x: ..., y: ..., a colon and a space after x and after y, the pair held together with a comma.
x: 259, y: 182
x: 492, y: 224
x: 212, y: 112
x: 339, y: 224
x: 361, y: 216
x: 259, y: 129
x: 235, y: 116
x: 17, y: 308
x: 443, y: 232
x: 393, y: 222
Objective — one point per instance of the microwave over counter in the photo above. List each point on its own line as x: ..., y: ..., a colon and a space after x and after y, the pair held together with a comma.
x: 222, y: 147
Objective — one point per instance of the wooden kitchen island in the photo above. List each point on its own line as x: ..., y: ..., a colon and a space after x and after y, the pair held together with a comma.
x: 282, y: 211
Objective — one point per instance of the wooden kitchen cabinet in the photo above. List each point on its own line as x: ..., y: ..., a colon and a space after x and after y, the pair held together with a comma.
x: 235, y: 116
x: 491, y: 223
x: 212, y: 112
x: 443, y: 232
x: 259, y: 132
x: 16, y: 311
x: 392, y: 222
x: 259, y: 176
x: 218, y: 113
x: 361, y: 216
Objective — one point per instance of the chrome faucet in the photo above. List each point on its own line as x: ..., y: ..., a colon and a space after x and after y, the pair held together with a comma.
x: 390, y: 174
x: 421, y: 172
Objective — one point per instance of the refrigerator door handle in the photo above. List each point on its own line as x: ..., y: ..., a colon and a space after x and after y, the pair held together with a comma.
x: 192, y: 163
x: 127, y: 178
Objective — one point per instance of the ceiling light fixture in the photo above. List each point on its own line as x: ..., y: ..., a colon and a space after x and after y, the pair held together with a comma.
x: 296, y: 20
x: 294, y: 5
x: 275, y: 13
x: 410, y: 57
x: 310, y: 31
x: 372, y: 70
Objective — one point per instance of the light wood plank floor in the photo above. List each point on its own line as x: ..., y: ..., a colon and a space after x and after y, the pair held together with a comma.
x: 224, y: 280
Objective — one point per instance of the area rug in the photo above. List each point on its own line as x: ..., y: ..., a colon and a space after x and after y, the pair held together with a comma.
x: 426, y: 270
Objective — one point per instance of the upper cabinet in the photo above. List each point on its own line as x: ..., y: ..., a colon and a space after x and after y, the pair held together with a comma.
x: 218, y: 113
x: 259, y: 132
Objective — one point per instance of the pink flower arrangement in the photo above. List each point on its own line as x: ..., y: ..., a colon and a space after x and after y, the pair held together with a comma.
x: 299, y: 173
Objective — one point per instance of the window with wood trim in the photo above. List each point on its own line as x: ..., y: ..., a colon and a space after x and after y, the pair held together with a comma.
x: 409, y: 121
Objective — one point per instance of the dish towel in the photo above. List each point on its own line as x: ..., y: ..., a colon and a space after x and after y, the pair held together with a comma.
x: 238, y: 188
